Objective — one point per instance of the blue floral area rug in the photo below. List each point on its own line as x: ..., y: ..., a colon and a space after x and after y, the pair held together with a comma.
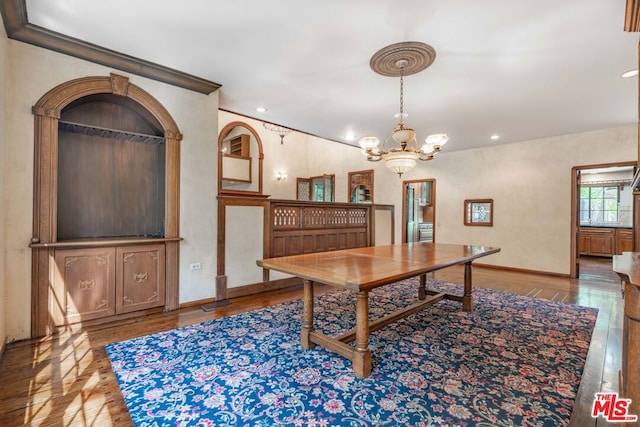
x: 513, y: 361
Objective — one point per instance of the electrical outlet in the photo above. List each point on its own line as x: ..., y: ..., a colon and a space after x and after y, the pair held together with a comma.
x: 195, y: 266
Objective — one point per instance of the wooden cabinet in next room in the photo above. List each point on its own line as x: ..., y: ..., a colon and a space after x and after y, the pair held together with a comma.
x: 603, y: 241
x: 624, y: 240
x: 597, y: 241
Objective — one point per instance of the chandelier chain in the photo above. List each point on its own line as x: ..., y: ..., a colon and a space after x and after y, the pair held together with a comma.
x: 401, y: 93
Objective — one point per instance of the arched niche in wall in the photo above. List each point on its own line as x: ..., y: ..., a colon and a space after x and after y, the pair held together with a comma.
x: 240, y: 159
x: 105, y: 111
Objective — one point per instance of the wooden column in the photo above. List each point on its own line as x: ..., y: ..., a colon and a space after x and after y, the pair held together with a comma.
x: 44, y: 215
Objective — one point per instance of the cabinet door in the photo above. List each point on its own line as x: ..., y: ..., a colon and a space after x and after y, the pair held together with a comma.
x: 624, y: 241
x: 583, y: 244
x: 140, y: 280
x: 83, y: 285
x: 601, y: 245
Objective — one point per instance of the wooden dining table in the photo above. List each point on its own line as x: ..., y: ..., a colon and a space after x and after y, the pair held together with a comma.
x: 364, y: 269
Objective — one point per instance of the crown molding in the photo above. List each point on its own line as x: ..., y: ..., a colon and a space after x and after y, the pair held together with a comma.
x: 17, y: 26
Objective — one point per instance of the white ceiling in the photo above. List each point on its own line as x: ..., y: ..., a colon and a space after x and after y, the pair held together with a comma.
x: 522, y: 69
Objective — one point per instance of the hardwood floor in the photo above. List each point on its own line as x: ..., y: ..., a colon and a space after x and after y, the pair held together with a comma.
x: 67, y: 380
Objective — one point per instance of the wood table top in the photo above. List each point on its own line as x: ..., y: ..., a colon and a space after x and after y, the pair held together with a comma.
x: 369, y: 267
x: 628, y: 264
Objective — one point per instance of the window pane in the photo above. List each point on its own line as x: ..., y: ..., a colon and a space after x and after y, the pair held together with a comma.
x: 584, y: 192
x: 611, y: 193
x: 584, y: 204
x: 596, y: 192
x: 584, y: 216
x: 597, y: 204
x: 610, y: 205
x: 596, y: 217
x: 610, y: 216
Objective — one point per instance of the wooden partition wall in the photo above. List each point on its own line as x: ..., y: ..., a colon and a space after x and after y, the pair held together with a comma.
x: 250, y: 229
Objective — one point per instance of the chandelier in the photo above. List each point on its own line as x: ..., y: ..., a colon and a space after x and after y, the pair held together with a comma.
x: 281, y: 131
x: 399, y: 60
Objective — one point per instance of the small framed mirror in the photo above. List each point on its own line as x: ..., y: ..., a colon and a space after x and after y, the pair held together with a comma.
x: 240, y: 159
x: 361, y: 186
x: 316, y: 188
x: 478, y: 212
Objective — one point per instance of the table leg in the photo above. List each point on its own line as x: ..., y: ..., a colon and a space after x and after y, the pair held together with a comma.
x: 307, y: 320
x: 362, y: 356
x: 422, y: 290
x: 467, y: 299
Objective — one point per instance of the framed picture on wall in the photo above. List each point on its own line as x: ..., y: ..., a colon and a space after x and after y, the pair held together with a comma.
x: 478, y: 212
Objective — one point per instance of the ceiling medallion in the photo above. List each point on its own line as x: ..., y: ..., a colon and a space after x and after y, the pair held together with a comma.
x: 399, y: 60
x: 418, y: 56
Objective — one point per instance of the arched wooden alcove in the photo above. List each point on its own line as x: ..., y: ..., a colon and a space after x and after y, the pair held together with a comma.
x: 116, y: 267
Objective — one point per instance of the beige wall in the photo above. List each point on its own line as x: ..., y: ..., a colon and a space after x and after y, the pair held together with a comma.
x: 3, y: 203
x: 31, y: 73
x: 530, y: 183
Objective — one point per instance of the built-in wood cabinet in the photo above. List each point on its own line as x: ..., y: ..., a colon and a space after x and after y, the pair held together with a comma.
x: 92, y: 283
x: 106, y: 190
x: 624, y: 240
x: 601, y: 241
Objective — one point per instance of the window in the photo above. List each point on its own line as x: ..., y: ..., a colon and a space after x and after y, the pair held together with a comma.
x: 478, y: 212
x: 599, y: 204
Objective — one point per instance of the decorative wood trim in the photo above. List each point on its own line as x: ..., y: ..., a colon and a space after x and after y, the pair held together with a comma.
x: 197, y: 303
x: 221, y: 288
x: 468, y: 208
x: 221, y: 136
x: 632, y: 16
x: 403, y: 239
x: 256, y: 288
x: 519, y: 270
x: 103, y: 243
x: 351, y: 186
x: 573, y: 268
x: 14, y: 14
x: 47, y: 113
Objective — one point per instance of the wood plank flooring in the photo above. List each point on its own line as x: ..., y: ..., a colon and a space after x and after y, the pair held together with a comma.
x: 67, y: 379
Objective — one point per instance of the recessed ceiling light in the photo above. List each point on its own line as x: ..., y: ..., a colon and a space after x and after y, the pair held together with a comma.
x: 350, y: 136
x: 630, y: 73
x: 261, y: 109
x: 495, y: 136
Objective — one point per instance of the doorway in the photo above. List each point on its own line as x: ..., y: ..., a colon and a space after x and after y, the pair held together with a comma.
x: 418, y: 210
x: 602, y: 213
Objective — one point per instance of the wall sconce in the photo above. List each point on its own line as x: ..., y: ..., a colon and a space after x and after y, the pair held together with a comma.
x: 281, y: 175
